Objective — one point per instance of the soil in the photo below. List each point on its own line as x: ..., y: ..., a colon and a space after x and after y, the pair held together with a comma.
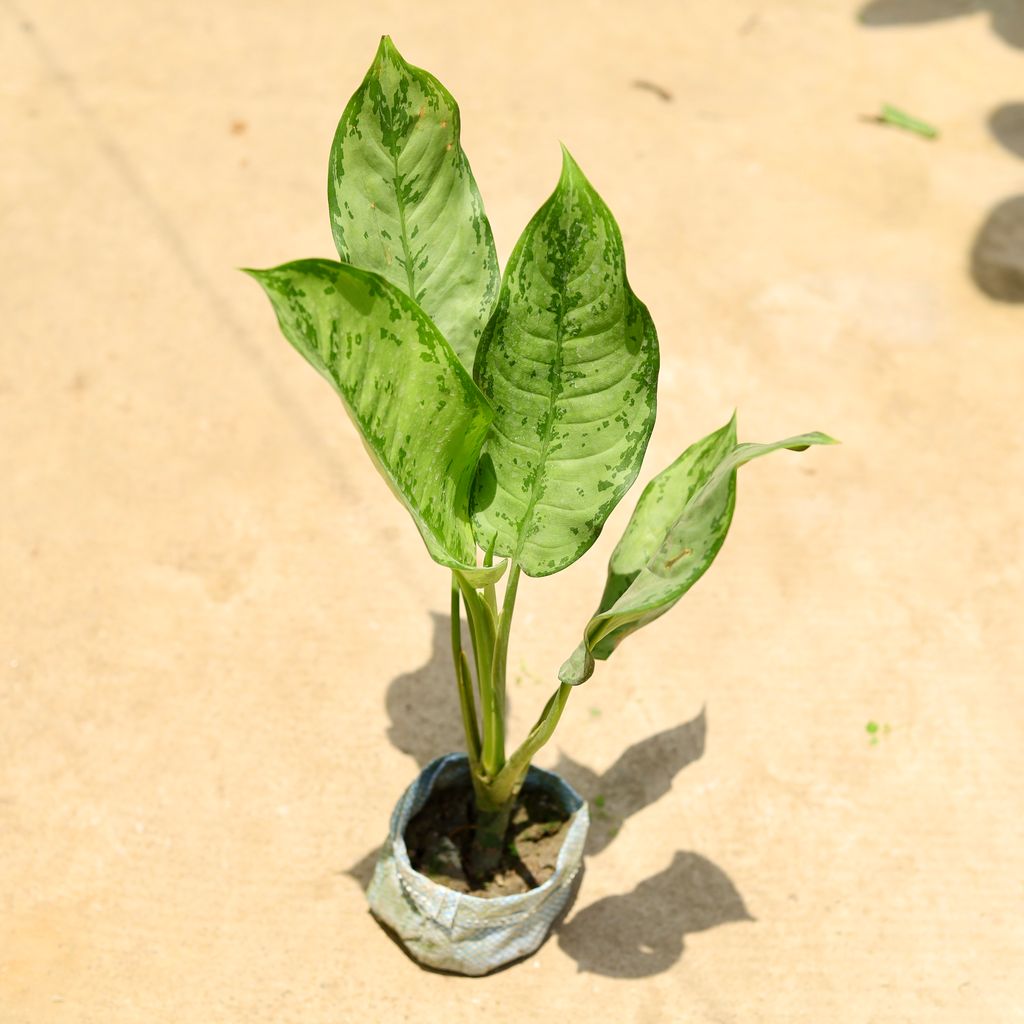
x: 439, y: 837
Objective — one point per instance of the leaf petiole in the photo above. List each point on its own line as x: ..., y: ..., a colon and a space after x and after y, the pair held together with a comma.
x: 464, y: 680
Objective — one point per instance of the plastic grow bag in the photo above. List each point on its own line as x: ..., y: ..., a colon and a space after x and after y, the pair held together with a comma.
x: 454, y: 931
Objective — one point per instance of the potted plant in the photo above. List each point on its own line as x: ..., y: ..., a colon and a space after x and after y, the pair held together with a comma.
x: 509, y: 413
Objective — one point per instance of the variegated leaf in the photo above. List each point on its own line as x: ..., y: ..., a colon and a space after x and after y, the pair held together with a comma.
x: 673, y: 536
x: 421, y: 417
x: 569, y: 362
x: 403, y: 201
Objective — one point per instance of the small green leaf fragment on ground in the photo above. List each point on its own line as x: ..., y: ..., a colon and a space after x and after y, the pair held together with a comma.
x: 901, y: 119
x: 872, y: 727
x: 599, y: 801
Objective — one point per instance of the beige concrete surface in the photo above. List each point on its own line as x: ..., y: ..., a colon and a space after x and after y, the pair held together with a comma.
x: 221, y: 641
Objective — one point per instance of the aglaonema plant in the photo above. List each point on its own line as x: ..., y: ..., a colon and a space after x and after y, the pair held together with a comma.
x: 508, y: 412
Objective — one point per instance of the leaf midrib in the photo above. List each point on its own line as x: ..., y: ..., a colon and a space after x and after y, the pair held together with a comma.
x: 406, y: 253
x: 549, y: 422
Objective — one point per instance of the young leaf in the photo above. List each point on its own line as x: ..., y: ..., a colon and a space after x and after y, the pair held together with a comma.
x: 421, y: 417
x: 673, y: 536
x: 569, y: 362
x: 403, y: 201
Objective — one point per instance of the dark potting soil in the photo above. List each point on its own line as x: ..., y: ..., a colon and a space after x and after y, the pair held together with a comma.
x: 438, y: 840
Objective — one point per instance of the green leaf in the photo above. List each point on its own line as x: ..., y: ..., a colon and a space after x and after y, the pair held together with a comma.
x: 569, y: 362
x: 421, y: 417
x: 673, y: 536
x: 403, y: 201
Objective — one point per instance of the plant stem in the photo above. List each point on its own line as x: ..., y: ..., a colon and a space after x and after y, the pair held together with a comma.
x: 490, y: 828
x: 509, y: 781
x: 489, y: 589
x: 496, y: 782
x: 500, y: 663
x: 481, y: 629
x: 465, y: 683
x: 505, y: 623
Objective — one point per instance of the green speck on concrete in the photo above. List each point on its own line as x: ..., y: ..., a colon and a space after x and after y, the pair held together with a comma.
x: 875, y: 731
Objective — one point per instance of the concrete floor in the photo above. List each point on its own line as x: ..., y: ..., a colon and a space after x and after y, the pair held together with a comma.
x: 222, y: 646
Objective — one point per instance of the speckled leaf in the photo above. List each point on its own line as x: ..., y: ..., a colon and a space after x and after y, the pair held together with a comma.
x: 673, y: 536
x: 403, y: 201
x: 569, y: 362
x: 420, y: 415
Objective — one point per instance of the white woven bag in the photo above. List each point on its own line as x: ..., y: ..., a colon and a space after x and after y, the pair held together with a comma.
x: 453, y: 931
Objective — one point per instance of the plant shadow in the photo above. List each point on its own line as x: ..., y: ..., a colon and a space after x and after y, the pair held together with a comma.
x: 423, y: 705
x: 642, y: 775
x: 635, y: 934
x: 1007, y: 15
x: 997, y: 255
x: 643, y: 932
x: 1006, y: 123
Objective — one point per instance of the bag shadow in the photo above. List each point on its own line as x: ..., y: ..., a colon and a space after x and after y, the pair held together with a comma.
x: 643, y: 932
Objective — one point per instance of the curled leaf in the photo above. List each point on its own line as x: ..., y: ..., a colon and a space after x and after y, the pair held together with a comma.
x: 673, y: 536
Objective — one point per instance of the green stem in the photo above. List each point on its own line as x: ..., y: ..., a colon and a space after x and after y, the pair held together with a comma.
x: 506, y: 786
x: 465, y: 683
x: 482, y: 630
x: 489, y: 597
x: 496, y: 781
x: 490, y: 827
x: 501, y: 660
